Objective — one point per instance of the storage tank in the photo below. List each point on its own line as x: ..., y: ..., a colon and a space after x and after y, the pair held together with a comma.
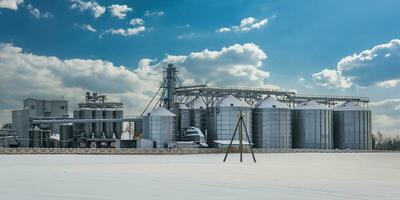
x: 66, y: 136
x: 223, y: 117
x: 98, y: 126
x: 138, y: 126
x: 108, y: 131
x: 159, y: 126
x: 87, y: 127
x: 117, y: 126
x: 272, y: 124
x: 313, y: 126
x: 182, y: 121
x: 352, y: 127
x: 198, y: 113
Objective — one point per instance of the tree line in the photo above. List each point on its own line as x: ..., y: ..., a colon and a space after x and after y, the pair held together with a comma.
x: 379, y: 142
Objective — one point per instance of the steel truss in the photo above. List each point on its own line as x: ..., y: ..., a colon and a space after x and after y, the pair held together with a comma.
x: 210, y: 94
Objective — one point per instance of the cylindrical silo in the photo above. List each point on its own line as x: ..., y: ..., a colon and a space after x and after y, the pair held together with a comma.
x: 272, y: 124
x: 108, y: 125
x: 118, y: 125
x: 98, y: 126
x: 223, y: 117
x: 159, y: 125
x: 182, y: 121
x: 66, y: 136
x: 198, y: 113
x: 138, y: 126
x: 313, y: 126
x: 88, y: 126
x: 352, y: 127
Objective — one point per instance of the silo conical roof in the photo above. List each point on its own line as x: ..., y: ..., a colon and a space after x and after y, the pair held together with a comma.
x: 349, y: 106
x: 196, y: 103
x: 182, y: 106
x: 230, y: 100
x: 161, y: 111
x: 271, y: 102
x: 312, y: 105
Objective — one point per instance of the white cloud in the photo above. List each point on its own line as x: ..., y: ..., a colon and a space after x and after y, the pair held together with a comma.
x: 29, y: 75
x: 128, y: 31
x: 186, y: 36
x: 246, y: 24
x: 10, y: 4
x: 119, y: 10
x: 376, y: 66
x: 136, y: 21
x: 224, y: 29
x: 237, y: 65
x: 153, y: 13
x: 88, y: 27
x: 388, y: 83
x: 92, y: 6
x: 36, y: 12
x: 331, y: 79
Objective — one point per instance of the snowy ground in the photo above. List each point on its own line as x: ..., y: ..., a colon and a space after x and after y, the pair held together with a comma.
x: 274, y: 176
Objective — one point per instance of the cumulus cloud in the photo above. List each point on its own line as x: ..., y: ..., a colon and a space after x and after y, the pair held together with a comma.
x: 36, y: 12
x: 28, y: 75
x: 136, y: 21
x: 331, y: 79
x: 149, y: 13
x: 128, y: 31
x: 119, y: 10
x: 246, y: 24
x: 237, y: 65
x: 88, y: 27
x: 10, y: 4
x: 388, y: 83
x: 96, y: 9
x: 376, y: 66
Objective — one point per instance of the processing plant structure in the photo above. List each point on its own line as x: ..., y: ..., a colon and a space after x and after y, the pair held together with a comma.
x: 202, y: 116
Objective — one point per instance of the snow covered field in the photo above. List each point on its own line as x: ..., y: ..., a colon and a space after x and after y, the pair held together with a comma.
x: 274, y: 176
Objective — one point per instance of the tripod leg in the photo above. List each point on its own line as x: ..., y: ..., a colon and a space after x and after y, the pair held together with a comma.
x: 241, y: 137
x: 230, y: 144
x: 248, y: 138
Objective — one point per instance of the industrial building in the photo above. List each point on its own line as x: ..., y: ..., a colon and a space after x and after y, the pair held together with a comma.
x: 273, y: 118
x: 37, y: 109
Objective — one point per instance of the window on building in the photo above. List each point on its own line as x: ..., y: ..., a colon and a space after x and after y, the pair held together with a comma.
x: 62, y: 107
x: 32, y: 107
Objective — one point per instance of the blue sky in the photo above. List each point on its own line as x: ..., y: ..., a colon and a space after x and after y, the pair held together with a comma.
x: 299, y: 39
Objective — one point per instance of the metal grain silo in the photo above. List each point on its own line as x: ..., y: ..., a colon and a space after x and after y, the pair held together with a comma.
x: 159, y: 126
x: 117, y: 126
x: 313, y: 126
x: 272, y: 124
x: 198, y: 113
x: 182, y: 120
x: 352, y: 127
x: 108, y: 131
x: 87, y: 127
x: 98, y: 126
x: 223, y: 117
x: 66, y: 136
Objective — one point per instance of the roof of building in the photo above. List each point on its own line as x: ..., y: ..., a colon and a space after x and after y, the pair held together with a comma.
x: 161, y: 111
x: 311, y: 105
x: 271, y: 102
x: 229, y: 101
x: 349, y: 106
x: 196, y: 103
